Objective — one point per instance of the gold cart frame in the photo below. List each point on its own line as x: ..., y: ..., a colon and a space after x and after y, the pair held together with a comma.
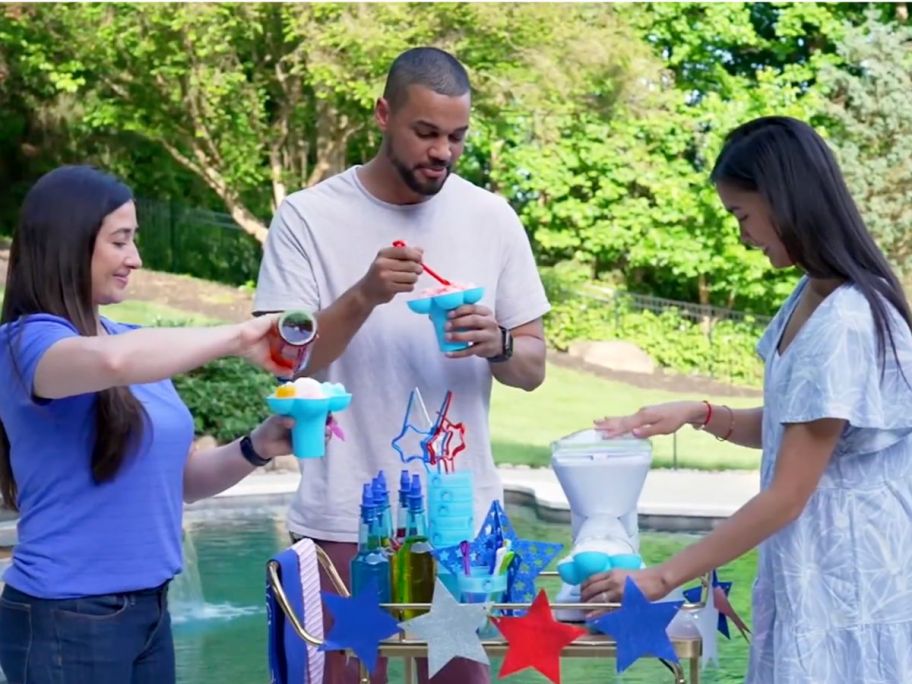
x: 586, y: 646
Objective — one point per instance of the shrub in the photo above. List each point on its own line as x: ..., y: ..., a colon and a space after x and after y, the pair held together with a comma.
x: 226, y: 397
x: 726, y: 351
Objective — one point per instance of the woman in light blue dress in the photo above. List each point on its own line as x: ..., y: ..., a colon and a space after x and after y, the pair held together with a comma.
x: 833, y: 521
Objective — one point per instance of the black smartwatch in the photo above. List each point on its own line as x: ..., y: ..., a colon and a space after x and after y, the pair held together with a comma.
x: 250, y: 454
x: 507, y: 353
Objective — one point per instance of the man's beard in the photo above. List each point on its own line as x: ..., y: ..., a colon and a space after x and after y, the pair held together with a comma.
x: 409, y: 176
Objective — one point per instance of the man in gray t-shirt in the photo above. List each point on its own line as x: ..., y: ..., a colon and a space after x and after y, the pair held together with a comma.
x: 330, y: 250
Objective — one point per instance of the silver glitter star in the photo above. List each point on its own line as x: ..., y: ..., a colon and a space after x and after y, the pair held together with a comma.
x: 706, y: 621
x: 450, y: 629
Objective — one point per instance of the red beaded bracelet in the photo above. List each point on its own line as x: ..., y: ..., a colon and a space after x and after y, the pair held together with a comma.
x: 731, y: 425
x: 709, y: 415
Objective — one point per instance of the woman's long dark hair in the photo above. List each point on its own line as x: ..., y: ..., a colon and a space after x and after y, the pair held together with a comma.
x: 793, y: 169
x: 50, y: 271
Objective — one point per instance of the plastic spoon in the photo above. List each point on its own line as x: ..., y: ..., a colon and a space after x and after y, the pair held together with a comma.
x: 427, y: 269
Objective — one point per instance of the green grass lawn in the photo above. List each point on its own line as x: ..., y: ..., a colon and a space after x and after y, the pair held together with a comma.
x: 523, y: 424
x: 148, y: 313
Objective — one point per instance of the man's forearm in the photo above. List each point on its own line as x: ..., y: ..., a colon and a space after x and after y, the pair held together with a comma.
x: 337, y: 325
x: 526, y: 368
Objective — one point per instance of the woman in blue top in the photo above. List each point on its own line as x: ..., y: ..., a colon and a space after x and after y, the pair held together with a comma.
x: 95, y: 443
x: 833, y: 597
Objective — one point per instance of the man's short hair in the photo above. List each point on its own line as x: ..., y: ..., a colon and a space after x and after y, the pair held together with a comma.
x: 429, y: 67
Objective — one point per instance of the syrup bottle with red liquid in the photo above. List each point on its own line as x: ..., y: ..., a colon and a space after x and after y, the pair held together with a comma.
x: 291, y: 339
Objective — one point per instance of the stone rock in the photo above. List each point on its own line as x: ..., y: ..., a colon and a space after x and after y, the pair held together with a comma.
x: 614, y: 355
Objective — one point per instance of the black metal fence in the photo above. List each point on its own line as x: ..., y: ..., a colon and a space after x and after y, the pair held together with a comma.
x: 696, y: 313
x: 197, y: 242
x: 708, y: 341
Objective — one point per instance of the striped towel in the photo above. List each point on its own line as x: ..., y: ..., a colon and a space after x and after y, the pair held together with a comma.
x: 291, y: 660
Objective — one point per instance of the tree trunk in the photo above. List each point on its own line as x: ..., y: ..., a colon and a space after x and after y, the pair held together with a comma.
x: 703, y: 297
x: 902, y: 12
x: 245, y: 218
x: 249, y: 223
x: 279, y: 191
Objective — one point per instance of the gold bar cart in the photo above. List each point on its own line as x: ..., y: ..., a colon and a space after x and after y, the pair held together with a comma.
x: 587, y: 646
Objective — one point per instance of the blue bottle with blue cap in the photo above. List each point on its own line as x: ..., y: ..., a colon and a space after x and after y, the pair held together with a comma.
x: 371, y: 563
x: 384, y: 513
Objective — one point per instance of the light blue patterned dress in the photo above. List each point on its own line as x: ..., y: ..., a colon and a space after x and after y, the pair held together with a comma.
x: 832, y: 603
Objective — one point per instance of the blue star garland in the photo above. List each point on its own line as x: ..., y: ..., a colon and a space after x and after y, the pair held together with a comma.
x: 359, y: 624
x: 638, y: 627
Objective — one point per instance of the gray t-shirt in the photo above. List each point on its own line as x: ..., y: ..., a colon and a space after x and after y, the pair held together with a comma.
x: 321, y: 242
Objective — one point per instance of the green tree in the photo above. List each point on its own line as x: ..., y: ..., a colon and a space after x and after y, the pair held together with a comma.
x: 257, y: 99
x: 871, y: 111
x: 726, y: 63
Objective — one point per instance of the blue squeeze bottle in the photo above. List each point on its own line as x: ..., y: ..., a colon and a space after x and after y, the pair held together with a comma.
x: 371, y: 563
x: 384, y: 514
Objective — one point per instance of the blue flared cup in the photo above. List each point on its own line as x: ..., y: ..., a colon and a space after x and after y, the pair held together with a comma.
x: 473, y: 295
x: 308, y: 435
x: 483, y: 587
x: 339, y: 402
x: 438, y: 308
x: 420, y: 306
x: 480, y: 586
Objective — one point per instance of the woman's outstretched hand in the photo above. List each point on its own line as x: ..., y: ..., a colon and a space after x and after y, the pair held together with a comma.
x: 658, y: 419
x: 608, y: 587
x: 254, y: 344
x: 272, y: 437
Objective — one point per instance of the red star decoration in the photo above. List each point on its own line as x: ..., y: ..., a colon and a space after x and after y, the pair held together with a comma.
x: 535, y: 640
x: 444, y: 433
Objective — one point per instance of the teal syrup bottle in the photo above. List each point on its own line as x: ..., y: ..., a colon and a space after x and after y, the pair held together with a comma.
x: 371, y: 563
x: 384, y: 513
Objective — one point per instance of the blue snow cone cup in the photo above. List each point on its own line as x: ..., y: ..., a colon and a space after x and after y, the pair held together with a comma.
x: 308, y: 436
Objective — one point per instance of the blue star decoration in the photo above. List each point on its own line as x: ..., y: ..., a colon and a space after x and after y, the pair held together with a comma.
x: 693, y: 596
x: 359, y: 624
x: 638, y: 627
x: 531, y: 556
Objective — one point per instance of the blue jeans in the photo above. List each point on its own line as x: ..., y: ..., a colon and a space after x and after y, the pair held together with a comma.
x: 111, y: 639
